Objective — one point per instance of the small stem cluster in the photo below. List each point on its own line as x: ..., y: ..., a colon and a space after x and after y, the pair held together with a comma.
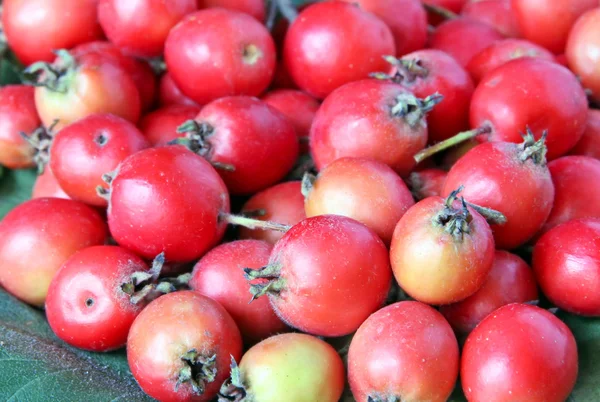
x: 405, y: 71
x: 412, y: 109
x: 377, y: 398
x: 273, y: 284
x: 146, y: 285
x: 455, y: 221
x: 198, y: 370
x: 41, y: 140
x: 197, y: 140
x: 52, y: 76
x: 532, y: 149
x: 233, y: 390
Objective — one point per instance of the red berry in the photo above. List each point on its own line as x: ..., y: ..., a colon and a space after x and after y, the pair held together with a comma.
x: 548, y: 22
x: 46, y: 186
x: 403, y: 351
x: 371, y: 119
x: 83, y: 151
x: 18, y: 115
x: 495, y: 13
x: 510, y: 281
x: 253, y: 139
x: 299, y: 107
x: 509, y: 178
x: 583, y: 50
x: 589, y: 145
x: 179, y: 347
x: 37, y: 237
x: 429, y: 71
x: 160, y: 126
x: 333, y: 43
x: 167, y: 200
x: 326, y: 275
x: 283, y: 203
x: 501, y: 52
x: 170, y: 94
x: 566, y: 261
x: 220, y: 276
x: 409, y: 27
x: 362, y: 189
x: 255, y: 8
x: 463, y: 38
x: 576, y: 183
x: 86, y: 306
x: 216, y: 52
x: 35, y: 28
x: 517, y: 352
x: 560, y: 107
x: 441, y: 251
x: 141, y: 28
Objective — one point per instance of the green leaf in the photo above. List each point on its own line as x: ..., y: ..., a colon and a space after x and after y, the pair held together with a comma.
x: 10, y: 69
x: 15, y: 187
x: 587, y: 334
x: 36, y: 366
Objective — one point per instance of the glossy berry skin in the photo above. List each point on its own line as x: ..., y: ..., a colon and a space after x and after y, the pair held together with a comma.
x: 336, y: 273
x: 533, y: 354
x: 85, y: 150
x: 495, y: 13
x: 282, y: 203
x: 220, y: 276
x: 256, y: 139
x: 170, y: 94
x: 566, y: 261
x: 141, y: 28
x: 299, y: 107
x: 359, y: 38
x: 576, y: 183
x: 167, y: 199
x: 432, y: 265
x: 426, y: 183
x: 462, y: 38
x: 362, y: 189
x: 418, y: 347
x: 442, y: 74
x: 583, y: 51
x: 503, y: 51
x: 527, y: 193
x: 37, y: 237
x: 548, y: 22
x: 34, y: 28
x: 170, y: 327
x: 46, y: 185
x: 409, y: 27
x: 293, y: 367
x: 85, y: 306
x: 589, y: 145
x: 229, y: 53
x: 356, y: 121
x: 560, y: 107
x: 17, y: 115
x: 254, y: 8
x: 511, y: 280
x: 139, y: 70
x: 95, y: 84
x: 160, y: 126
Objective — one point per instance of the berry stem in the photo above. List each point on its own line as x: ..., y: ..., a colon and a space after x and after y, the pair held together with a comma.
x: 251, y: 223
x: 441, y: 11
x: 452, y: 141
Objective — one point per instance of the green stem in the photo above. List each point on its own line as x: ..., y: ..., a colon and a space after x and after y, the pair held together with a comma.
x: 441, y: 11
x: 452, y: 141
x: 253, y: 223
